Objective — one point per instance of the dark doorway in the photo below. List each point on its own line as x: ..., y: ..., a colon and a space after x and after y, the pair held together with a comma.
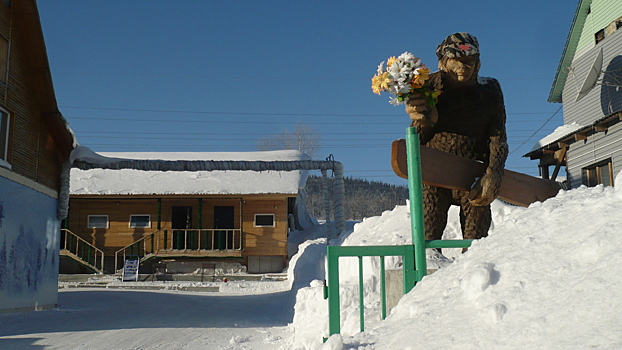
x: 224, y: 221
x: 181, y: 221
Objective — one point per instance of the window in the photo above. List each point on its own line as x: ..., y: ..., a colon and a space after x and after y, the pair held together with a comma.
x: 140, y: 221
x: 264, y: 220
x: 599, y: 36
x: 4, y: 135
x: 98, y: 221
x: 599, y: 173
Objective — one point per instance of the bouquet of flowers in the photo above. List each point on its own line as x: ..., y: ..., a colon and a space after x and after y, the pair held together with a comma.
x: 403, y: 76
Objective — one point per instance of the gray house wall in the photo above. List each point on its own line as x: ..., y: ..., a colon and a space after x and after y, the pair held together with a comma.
x: 596, y: 148
x: 599, y: 102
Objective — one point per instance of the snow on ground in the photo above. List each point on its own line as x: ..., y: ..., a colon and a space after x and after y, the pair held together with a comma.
x: 547, y: 277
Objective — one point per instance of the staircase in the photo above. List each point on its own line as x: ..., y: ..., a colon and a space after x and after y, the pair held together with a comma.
x: 81, y: 251
x: 145, y: 248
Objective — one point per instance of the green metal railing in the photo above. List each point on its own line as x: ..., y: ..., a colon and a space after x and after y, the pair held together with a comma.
x: 331, y: 291
x: 414, y: 264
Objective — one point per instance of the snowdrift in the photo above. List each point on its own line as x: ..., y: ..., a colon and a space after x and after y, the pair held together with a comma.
x: 547, y: 277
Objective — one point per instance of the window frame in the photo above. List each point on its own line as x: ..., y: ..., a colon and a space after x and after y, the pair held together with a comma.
x: 89, y: 225
x: 594, y: 172
x: 135, y: 215
x: 267, y: 214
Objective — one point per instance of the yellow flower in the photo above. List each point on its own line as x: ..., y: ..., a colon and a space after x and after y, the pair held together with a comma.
x: 419, y: 79
x: 380, y: 82
x: 390, y: 61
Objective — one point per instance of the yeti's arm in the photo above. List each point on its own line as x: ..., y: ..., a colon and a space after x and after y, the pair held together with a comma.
x: 490, y: 184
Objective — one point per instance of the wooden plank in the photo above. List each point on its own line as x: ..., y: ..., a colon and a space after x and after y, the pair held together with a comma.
x: 454, y: 172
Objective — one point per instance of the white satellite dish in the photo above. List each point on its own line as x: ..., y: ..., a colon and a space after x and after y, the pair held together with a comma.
x: 592, y: 76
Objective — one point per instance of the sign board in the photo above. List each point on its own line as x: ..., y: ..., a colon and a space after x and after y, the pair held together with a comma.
x: 130, y: 269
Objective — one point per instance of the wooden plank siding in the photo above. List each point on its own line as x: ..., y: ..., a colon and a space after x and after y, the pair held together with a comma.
x: 265, y: 240
x: 28, y: 97
x: 257, y: 241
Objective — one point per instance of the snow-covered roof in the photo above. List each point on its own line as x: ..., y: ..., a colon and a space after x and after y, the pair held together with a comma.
x: 559, y: 133
x: 140, y: 182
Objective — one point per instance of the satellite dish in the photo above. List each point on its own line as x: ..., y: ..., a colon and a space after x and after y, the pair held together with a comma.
x: 592, y: 75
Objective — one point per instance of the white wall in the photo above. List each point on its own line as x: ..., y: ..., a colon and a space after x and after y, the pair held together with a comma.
x: 29, y: 248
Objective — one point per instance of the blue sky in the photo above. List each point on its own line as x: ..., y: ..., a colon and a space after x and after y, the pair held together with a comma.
x: 219, y: 75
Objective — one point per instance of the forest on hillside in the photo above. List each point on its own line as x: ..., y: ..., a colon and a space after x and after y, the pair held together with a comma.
x: 363, y: 198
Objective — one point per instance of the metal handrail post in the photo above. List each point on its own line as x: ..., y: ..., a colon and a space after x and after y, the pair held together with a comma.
x: 383, y: 289
x: 334, y: 317
x: 413, y: 151
x: 361, y: 296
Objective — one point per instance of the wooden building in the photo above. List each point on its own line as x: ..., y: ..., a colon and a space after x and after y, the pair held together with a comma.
x: 189, y: 216
x: 588, y: 83
x: 35, y: 145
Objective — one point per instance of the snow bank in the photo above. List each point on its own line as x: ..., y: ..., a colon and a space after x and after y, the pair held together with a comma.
x: 547, y: 277
x: 390, y: 228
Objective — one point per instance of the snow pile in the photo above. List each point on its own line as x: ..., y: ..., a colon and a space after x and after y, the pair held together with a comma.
x: 391, y: 228
x: 547, y: 276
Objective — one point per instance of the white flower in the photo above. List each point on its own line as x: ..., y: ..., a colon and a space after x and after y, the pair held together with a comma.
x: 406, y: 56
x: 394, y: 101
x: 380, y: 68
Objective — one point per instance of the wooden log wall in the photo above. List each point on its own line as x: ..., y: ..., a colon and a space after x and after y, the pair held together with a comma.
x: 258, y: 241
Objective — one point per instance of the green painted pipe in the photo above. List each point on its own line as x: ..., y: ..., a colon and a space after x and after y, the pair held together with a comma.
x: 383, y: 289
x: 361, y: 296
x: 449, y: 243
x: 413, y: 152
x: 334, y: 317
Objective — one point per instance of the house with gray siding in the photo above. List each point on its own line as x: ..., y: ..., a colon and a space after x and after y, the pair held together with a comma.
x: 588, y: 83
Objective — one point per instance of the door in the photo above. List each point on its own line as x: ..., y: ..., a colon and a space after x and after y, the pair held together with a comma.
x: 181, y: 221
x: 223, y: 220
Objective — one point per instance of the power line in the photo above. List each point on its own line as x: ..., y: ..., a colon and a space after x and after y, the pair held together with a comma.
x: 82, y: 132
x: 228, y: 77
x: 257, y: 113
x: 255, y: 121
x: 535, y: 132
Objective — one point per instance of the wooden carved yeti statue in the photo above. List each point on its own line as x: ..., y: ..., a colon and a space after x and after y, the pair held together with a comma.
x: 469, y: 121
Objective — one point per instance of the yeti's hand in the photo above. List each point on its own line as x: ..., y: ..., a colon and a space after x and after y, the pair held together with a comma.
x: 420, y: 114
x: 485, y: 190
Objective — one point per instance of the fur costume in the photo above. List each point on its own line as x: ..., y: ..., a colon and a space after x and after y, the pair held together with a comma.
x: 469, y: 121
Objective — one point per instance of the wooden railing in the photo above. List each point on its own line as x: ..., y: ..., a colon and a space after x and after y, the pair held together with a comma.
x: 81, y: 250
x: 182, y: 241
x: 202, y: 239
x: 144, y: 248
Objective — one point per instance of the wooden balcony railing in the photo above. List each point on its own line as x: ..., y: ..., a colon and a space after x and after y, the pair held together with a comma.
x: 186, y: 241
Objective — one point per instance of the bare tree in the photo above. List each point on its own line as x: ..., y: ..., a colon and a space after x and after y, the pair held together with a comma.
x: 304, y: 138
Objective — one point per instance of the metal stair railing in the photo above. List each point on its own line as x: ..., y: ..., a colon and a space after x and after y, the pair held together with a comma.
x: 414, y: 257
x: 145, y: 247
x: 82, y: 251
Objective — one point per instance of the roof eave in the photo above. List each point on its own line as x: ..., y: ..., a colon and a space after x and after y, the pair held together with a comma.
x: 570, y: 48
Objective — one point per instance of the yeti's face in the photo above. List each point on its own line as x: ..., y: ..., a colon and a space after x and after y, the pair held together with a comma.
x: 460, y: 69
